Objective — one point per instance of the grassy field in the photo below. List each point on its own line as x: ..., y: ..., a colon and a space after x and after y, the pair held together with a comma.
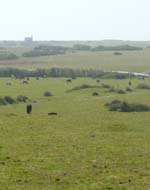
x: 84, y: 147
x: 130, y: 61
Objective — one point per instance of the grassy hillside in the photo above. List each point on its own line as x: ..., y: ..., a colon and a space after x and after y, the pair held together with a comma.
x: 84, y: 147
x: 130, y: 61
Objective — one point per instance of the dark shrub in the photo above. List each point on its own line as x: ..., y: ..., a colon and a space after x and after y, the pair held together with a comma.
x: 45, y: 51
x: 2, y: 101
x: 8, y: 56
x: 140, y: 107
x: 114, y: 105
x: 112, y: 89
x: 143, y: 86
x: 24, y: 82
x: 47, y: 93
x: 128, y: 89
x: 117, y: 53
x: 116, y: 48
x: 106, y: 86
x: 12, y: 56
x: 117, y: 105
x: 125, y: 107
x: 83, y: 86
x: 95, y: 94
x: 22, y: 98
x: 9, y: 100
x: 120, y: 91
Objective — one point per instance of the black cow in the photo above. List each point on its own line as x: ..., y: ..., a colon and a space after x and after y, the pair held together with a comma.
x: 29, y: 108
x: 129, y: 83
x: 68, y: 80
x: 52, y: 113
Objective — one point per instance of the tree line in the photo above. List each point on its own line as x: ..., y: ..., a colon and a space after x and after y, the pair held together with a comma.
x: 60, y: 72
x: 45, y: 51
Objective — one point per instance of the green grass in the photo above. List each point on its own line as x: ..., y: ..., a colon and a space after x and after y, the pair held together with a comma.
x: 85, y: 147
x: 129, y: 61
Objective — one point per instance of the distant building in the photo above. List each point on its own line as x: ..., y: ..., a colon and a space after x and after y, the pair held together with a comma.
x: 28, y: 39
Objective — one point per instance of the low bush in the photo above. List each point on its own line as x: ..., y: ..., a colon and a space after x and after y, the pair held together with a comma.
x: 124, y: 106
x: 119, y: 91
x: 106, y: 86
x: 2, y: 101
x: 22, y: 98
x: 114, y: 105
x: 83, y: 86
x: 128, y: 89
x: 95, y: 94
x: 112, y: 89
x: 9, y: 100
x: 143, y: 86
x: 47, y: 93
x: 117, y: 53
x: 8, y: 56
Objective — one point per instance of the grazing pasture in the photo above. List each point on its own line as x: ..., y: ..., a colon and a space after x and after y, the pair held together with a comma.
x: 84, y: 146
x: 136, y: 61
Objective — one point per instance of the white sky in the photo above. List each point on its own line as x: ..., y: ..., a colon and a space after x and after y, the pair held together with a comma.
x: 75, y: 19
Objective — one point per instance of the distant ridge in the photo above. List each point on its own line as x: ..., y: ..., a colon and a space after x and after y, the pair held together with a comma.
x: 94, y: 43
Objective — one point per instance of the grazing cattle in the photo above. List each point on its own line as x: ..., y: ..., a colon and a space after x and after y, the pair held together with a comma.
x: 68, y: 80
x: 52, y: 113
x: 29, y: 108
x: 98, y: 81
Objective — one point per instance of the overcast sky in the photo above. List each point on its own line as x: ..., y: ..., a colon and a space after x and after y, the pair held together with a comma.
x: 75, y: 19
